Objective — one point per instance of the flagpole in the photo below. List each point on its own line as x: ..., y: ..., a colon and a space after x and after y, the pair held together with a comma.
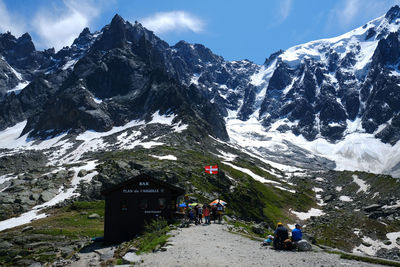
x: 219, y: 184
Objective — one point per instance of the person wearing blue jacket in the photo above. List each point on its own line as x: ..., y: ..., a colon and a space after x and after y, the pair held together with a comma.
x: 297, y: 235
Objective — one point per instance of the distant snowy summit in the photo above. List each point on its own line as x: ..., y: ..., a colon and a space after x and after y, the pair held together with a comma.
x: 332, y: 87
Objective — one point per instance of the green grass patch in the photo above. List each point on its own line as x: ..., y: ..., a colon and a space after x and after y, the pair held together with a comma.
x: 155, y: 235
x: 72, y: 221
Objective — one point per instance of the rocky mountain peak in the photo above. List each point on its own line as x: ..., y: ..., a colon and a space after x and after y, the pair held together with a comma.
x: 393, y: 13
x: 7, y: 40
x: 24, y: 44
x: 117, y: 20
x: 114, y: 34
x: 83, y: 38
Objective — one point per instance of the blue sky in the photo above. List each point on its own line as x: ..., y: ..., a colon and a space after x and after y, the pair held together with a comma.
x: 233, y: 29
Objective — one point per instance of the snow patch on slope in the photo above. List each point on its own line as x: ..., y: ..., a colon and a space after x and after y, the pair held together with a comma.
x: 17, y: 89
x: 375, y: 245
x: 306, y: 215
x: 364, y: 187
x: 251, y: 174
x: 63, y: 148
x: 166, y: 157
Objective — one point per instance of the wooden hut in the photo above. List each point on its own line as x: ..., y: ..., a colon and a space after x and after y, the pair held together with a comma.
x: 130, y: 204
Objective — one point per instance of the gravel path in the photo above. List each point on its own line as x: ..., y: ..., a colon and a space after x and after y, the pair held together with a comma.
x: 213, y: 245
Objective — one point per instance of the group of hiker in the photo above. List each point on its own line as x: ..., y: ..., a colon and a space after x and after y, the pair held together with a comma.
x: 208, y: 212
x: 281, y: 239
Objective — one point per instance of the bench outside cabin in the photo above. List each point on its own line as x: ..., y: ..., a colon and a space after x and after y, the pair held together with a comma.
x: 130, y: 204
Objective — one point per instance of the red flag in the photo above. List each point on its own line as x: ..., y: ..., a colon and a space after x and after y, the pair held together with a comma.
x: 212, y: 169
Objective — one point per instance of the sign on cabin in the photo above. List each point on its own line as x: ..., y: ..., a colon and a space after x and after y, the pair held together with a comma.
x: 131, y: 203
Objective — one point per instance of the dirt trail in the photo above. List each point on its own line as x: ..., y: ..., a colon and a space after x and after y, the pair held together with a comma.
x: 213, y: 245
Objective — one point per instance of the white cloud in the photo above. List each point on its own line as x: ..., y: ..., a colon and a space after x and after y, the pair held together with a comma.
x: 10, y: 22
x: 284, y: 9
x: 59, y: 28
x: 173, y: 21
x: 348, y: 12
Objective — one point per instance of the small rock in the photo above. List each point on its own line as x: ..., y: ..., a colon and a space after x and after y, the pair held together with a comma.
x: 303, y: 245
x: 46, y: 196
x: 157, y: 248
x: 258, y: 229
x: 133, y: 249
x: 82, y: 173
x: 5, y: 245
x: 35, y: 264
x: 94, y: 216
x: 27, y: 228
x: 390, y: 218
x: 132, y: 258
x: 66, y: 251
x: 328, y: 198
x: 387, y: 242
x: 34, y: 196
x: 372, y: 207
x: 366, y: 244
x: 398, y: 241
x: 75, y: 257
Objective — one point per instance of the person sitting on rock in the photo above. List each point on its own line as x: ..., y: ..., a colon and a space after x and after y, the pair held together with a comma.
x: 280, y: 235
x: 297, y: 235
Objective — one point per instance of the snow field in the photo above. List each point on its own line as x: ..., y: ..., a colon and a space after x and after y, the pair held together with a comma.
x: 306, y: 215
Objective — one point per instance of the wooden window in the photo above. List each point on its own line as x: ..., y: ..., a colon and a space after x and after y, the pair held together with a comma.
x: 162, y: 203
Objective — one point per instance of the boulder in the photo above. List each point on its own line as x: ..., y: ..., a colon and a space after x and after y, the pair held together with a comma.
x: 34, y: 196
x: 46, y: 196
x: 35, y: 264
x: 372, y: 207
x: 258, y: 229
x: 132, y: 258
x: 105, y: 254
x: 303, y: 245
x: 66, y: 251
x: 94, y: 216
x: 387, y: 242
x: 329, y: 198
x: 27, y: 228
x: 366, y: 244
x: 375, y: 214
x: 82, y: 173
x: 5, y: 244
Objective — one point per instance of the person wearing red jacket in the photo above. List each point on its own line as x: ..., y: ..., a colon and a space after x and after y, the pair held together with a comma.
x: 206, y: 213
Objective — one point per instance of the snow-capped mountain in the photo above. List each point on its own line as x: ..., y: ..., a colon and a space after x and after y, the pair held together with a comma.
x: 338, y: 98
x: 120, y: 101
x: 331, y: 103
